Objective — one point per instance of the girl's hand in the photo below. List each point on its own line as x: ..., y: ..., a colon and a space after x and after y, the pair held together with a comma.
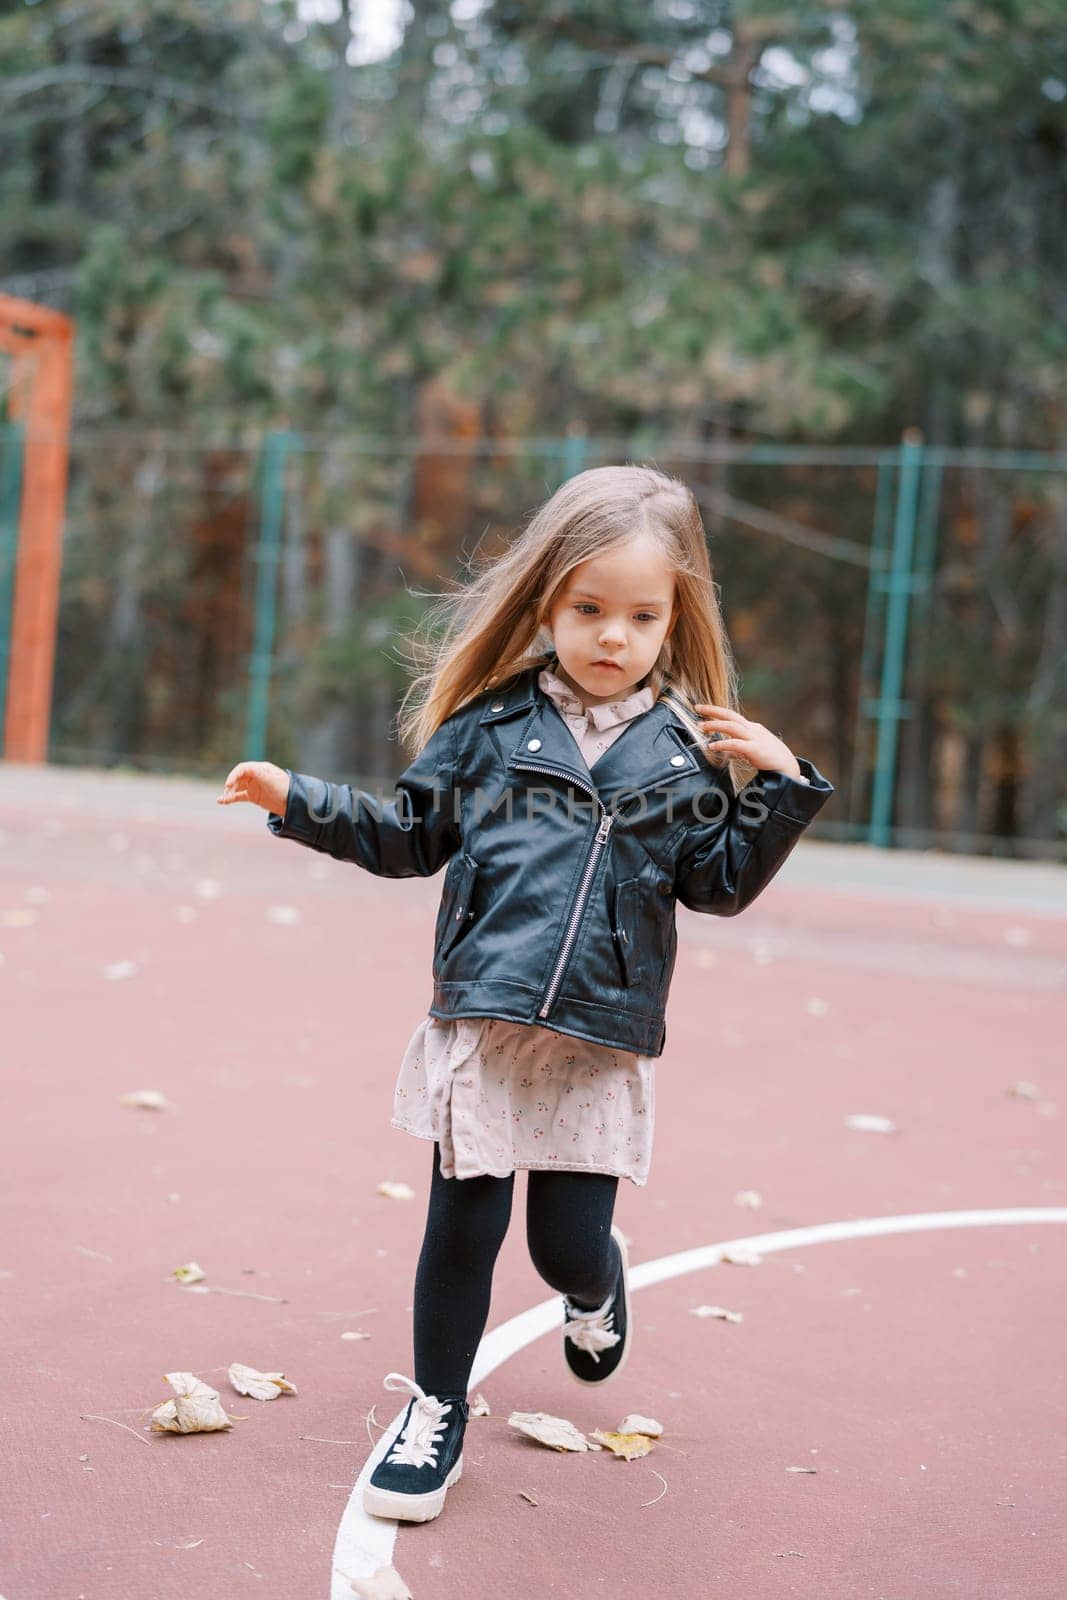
x: 260, y: 782
x: 750, y: 740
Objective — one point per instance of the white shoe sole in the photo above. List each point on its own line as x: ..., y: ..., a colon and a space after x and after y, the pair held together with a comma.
x: 597, y: 1383
x: 410, y: 1507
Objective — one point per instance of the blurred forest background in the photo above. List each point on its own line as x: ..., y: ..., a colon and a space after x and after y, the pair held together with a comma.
x: 461, y: 250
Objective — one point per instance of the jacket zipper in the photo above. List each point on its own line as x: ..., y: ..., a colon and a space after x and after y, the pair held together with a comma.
x: 584, y: 885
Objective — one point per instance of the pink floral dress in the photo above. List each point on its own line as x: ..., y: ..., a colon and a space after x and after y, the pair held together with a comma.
x: 501, y: 1095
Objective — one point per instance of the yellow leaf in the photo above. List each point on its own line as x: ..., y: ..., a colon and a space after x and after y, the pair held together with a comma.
x: 627, y: 1445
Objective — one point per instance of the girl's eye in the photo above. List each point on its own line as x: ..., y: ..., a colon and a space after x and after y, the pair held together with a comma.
x: 587, y: 606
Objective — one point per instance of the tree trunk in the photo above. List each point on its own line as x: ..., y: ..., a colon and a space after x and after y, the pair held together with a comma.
x: 745, y: 54
x: 124, y: 648
x: 329, y: 745
x: 1043, y: 807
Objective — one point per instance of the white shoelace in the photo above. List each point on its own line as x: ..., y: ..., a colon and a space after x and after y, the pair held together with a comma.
x: 591, y: 1331
x: 421, y: 1435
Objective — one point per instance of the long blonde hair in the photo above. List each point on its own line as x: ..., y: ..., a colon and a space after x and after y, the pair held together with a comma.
x: 494, y: 626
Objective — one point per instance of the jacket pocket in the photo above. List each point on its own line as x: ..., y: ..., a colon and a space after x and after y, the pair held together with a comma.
x: 456, y: 911
x: 624, y: 931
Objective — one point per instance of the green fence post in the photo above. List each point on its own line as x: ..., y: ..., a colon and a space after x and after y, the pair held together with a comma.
x: 575, y: 446
x: 11, y: 451
x: 872, y: 624
x: 889, y: 707
x: 918, y: 659
x: 276, y: 448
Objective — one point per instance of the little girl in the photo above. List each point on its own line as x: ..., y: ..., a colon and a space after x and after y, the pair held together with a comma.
x: 585, y: 670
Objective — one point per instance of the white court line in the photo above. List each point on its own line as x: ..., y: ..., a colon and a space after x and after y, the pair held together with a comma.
x: 365, y: 1543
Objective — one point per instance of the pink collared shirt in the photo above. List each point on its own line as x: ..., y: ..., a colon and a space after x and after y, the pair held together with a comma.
x: 594, y: 727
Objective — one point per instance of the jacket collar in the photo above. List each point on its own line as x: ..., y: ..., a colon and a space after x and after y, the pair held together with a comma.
x: 656, y: 747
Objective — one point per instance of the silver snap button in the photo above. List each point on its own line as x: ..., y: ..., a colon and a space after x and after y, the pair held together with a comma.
x: 497, y: 705
x: 534, y: 744
x: 677, y: 761
x: 459, y: 916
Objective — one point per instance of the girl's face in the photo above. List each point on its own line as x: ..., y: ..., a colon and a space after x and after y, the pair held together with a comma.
x: 611, y: 618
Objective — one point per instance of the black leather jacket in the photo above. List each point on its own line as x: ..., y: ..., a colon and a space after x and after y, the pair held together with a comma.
x: 558, y: 905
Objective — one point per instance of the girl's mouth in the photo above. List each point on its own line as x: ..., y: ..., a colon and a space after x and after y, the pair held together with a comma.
x: 614, y: 665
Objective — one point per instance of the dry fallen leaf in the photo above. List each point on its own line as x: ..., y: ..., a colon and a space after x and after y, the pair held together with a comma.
x: 384, y: 1584
x: 260, y: 1385
x: 480, y: 1406
x: 190, y: 1273
x: 863, y: 1123
x: 638, y: 1424
x: 197, y: 1408
x: 802, y: 1469
x: 396, y: 1191
x: 556, y: 1432
x: 18, y: 918
x: 748, y: 1197
x: 627, y: 1445
x: 355, y: 1333
x: 117, y: 970
x: 529, y: 1497
x: 151, y: 1099
x: 716, y: 1311
x: 741, y: 1258
x: 1024, y: 1091
x: 283, y: 916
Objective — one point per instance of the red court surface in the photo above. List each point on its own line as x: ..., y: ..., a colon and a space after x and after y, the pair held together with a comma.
x: 269, y: 992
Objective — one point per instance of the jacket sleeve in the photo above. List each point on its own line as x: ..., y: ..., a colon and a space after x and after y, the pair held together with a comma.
x: 411, y: 835
x: 726, y: 862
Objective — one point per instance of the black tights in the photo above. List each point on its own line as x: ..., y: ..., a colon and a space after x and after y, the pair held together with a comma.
x: 568, y: 1230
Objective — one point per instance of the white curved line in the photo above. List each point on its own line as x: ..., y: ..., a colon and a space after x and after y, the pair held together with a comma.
x: 365, y: 1543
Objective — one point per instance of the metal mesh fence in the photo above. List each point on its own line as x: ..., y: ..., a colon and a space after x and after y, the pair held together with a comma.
x: 899, y: 615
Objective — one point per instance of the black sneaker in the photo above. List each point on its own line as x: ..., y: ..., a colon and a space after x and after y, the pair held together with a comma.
x: 424, y: 1459
x: 596, y: 1343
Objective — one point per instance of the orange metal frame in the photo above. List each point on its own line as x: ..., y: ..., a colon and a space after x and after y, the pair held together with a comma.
x: 40, y: 342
